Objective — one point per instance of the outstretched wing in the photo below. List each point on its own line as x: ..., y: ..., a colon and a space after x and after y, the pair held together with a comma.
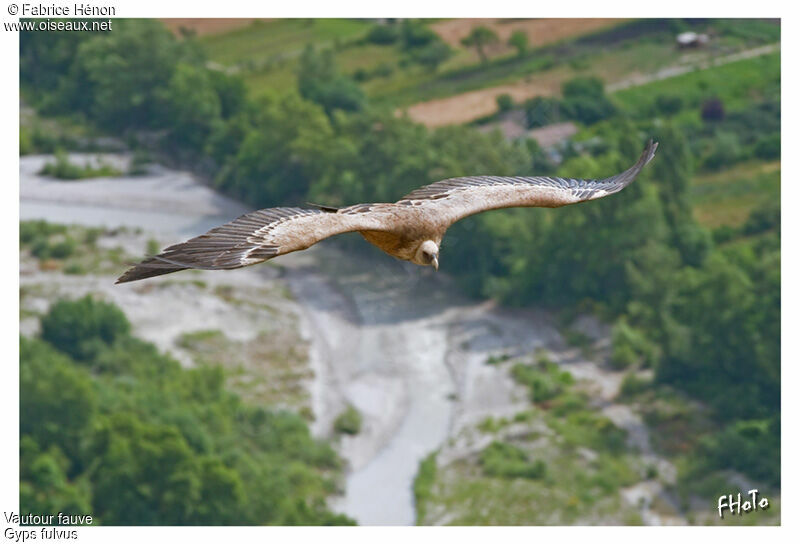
x: 254, y: 238
x: 453, y: 199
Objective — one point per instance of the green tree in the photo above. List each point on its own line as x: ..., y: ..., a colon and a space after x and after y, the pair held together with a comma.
x: 504, y: 102
x: 231, y: 91
x: 144, y: 474
x: 44, y: 484
x: 541, y: 111
x: 319, y: 80
x: 630, y: 222
x: 57, y: 401
x: 432, y: 55
x: 729, y: 347
x: 480, y: 37
x: 378, y: 158
x: 285, y: 145
x: 120, y: 77
x: 193, y: 107
x: 519, y: 41
x: 81, y: 328
x: 384, y: 33
x: 585, y: 100
x: 673, y: 172
x: 415, y: 34
x: 45, y: 58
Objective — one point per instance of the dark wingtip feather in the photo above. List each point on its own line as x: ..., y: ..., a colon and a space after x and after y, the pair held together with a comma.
x: 616, y: 183
x: 649, y: 151
x: 148, y: 268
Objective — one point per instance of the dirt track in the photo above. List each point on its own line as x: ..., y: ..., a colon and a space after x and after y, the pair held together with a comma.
x: 466, y: 107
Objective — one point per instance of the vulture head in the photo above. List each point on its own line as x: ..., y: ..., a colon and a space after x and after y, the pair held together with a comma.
x: 427, y: 254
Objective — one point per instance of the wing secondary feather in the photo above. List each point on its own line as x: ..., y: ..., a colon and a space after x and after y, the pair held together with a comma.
x: 253, y: 238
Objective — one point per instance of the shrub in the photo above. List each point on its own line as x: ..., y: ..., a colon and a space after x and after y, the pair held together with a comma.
x: 668, y: 104
x: 585, y: 100
x: 432, y: 55
x: 504, y: 460
x: 630, y: 347
x: 519, y: 41
x: 694, y: 242
x: 61, y: 248
x: 497, y: 359
x: 587, y: 110
x: 65, y: 169
x: 25, y: 141
x: 724, y: 234
x: 568, y: 403
x: 504, y: 102
x: 541, y: 111
x: 712, y: 110
x: 74, y: 269
x: 33, y: 230
x: 415, y: 34
x: 348, y: 422
x: 768, y: 147
x: 384, y: 34
x: 752, y: 446
x: 319, y: 80
x: 61, y: 168
x: 763, y: 218
x: 81, y: 328
x: 423, y: 485
x: 725, y: 150
x: 384, y: 69
x: 153, y: 247
x: 545, y: 382
x: 633, y: 385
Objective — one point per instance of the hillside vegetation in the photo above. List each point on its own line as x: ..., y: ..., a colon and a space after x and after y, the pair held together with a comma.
x: 685, y: 263
x: 111, y: 426
x: 399, y: 63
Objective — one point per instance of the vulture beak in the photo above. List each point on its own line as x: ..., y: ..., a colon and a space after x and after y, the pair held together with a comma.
x: 435, y: 263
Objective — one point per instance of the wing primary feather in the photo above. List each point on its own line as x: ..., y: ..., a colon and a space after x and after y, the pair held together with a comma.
x: 253, y: 238
x: 232, y: 245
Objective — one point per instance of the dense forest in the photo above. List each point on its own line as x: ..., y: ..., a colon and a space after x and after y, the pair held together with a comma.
x: 700, y: 306
x: 111, y: 426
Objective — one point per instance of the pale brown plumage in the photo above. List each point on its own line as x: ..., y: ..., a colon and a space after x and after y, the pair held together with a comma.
x: 410, y: 229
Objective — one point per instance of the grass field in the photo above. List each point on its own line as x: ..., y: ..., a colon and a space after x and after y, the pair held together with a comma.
x: 727, y: 197
x: 263, y: 40
x: 266, y: 52
x: 736, y: 84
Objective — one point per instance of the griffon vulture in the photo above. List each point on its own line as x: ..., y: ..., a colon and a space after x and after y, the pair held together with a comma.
x: 411, y: 229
